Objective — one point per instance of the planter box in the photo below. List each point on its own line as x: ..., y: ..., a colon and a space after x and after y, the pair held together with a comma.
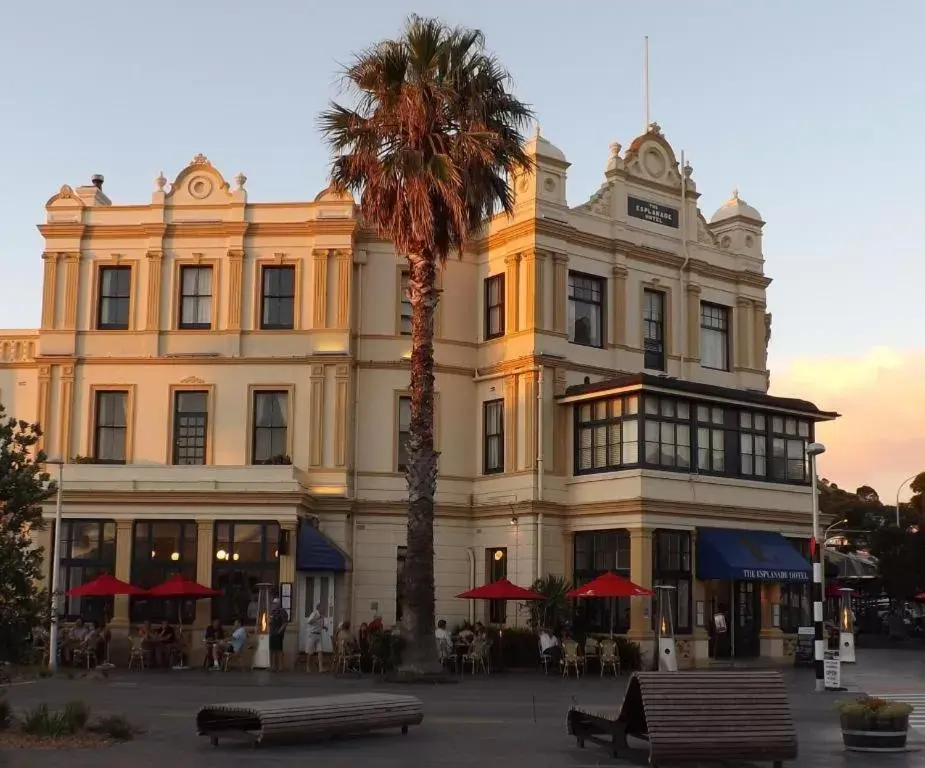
x: 868, y: 734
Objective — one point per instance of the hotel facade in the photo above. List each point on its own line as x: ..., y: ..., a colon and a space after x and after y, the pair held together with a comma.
x: 226, y: 382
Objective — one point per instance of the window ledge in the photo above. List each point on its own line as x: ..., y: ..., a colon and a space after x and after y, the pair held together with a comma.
x: 641, y: 472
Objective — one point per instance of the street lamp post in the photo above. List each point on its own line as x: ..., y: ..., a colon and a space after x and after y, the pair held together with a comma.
x: 812, y: 451
x: 55, y: 570
x: 898, y: 491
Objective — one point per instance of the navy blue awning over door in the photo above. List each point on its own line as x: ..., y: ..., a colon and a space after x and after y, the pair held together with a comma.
x: 728, y: 554
x: 315, y: 552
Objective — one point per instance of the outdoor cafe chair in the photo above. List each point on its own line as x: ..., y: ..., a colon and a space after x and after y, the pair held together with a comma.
x: 609, y: 657
x: 570, y: 658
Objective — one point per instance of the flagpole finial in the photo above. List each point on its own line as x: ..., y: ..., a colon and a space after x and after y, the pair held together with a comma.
x: 538, y: 134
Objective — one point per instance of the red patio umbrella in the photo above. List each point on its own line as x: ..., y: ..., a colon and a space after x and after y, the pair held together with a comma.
x: 178, y: 587
x: 502, y: 589
x: 610, y: 585
x: 833, y: 590
x: 105, y: 586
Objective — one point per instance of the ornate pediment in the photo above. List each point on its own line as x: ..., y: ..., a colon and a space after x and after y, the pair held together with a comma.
x: 199, y: 182
x: 65, y: 198
x: 651, y: 157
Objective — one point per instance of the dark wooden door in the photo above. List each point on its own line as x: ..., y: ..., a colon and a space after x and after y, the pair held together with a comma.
x: 747, y: 618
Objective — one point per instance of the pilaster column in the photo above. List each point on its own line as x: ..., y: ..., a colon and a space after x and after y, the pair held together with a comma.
x: 341, y: 379
x: 320, y: 286
x: 287, y: 562
x: 155, y: 260
x: 205, y: 530
x: 560, y: 293
x: 534, y: 292
x: 49, y: 289
x: 512, y: 292
x: 743, y: 310
x: 120, y: 614
x: 71, y: 290
x: 693, y: 322
x: 316, y: 418
x: 641, y: 574
x: 344, y: 274
x: 619, y: 304
x: 759, y: 334
x: 235, y: 288
x: 43, y: 406
x: 528, y: 381
x: 510, y: 423
x: 66, y: 410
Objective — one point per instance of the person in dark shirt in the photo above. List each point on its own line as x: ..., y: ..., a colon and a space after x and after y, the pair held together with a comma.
x: 165, y: 639
x: 278, y: 622
x: 214, y: 634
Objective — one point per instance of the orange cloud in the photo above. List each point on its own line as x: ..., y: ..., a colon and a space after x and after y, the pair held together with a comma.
x: 880, y: 438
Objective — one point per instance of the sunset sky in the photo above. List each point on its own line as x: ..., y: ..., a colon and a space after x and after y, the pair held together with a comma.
x: 813, y: 110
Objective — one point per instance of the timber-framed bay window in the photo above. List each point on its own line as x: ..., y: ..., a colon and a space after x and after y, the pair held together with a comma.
x: 596, y: 553
x: 684, y: 434
x: 88, y: 550
x: 244, y: 555
x: 671, y: 567
x: 161, y: 549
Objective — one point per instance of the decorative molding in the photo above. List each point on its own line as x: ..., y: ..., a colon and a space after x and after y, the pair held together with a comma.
x: 192, y: 380
x: 510, y: 422
x: 560, y: 293
x: 155, y: 260
x: 49, y: 290
x: 344, y: 279
x: 341, y: 420
x: 235, y: 288
x: 316, y: 417
x: 320, y: 285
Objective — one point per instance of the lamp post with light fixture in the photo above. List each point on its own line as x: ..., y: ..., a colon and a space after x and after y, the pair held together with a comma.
x: 55, y: 569
x: 812, y: 451
x: 898, y: 491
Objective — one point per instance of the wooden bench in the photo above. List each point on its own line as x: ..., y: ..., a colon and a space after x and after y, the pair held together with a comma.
x: 308, y: 719
x: 696, y: 716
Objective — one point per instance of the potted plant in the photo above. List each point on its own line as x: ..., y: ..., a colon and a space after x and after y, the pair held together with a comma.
x: 874, y: 725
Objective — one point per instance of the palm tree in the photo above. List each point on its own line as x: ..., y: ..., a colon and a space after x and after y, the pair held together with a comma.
x: 428, y: 146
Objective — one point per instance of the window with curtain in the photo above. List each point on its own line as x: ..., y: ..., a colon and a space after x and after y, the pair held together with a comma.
x: 789, y: 438
x: 190, y: 427
x: 667, y: 432
x: 586, y: 309
x: 494, y: 306
x: 404, y: 306
x: 277, y: 299
x: 493, y: 437
x: 714, y: 336
x: 195, y: 298
x: 753, y: 444
x: 244, y: 555
x: 88, y: 550
x: 671, y: 567
x: 711, y: 439
x: 271, y: 427
x: 606, y: 434
x: 404, y: 433
x: 162, y: 549
x: 653, y: 326
x: 110, y: 429
x: 115, y: 292
x: 595, y: 553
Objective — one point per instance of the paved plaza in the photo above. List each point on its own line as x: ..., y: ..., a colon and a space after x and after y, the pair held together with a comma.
x: 482, y: 721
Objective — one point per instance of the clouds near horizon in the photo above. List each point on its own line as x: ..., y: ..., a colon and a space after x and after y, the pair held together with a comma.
x: 880, y: 438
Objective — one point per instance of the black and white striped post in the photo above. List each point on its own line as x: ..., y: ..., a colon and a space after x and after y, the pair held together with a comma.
x: 812, y: 451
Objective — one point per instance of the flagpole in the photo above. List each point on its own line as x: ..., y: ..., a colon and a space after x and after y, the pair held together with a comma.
x: 645, y: 81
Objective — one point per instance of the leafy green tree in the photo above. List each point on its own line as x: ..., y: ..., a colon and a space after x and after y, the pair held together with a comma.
x: 24, y: 485
x: 428, y: 143
x: 552, y: 612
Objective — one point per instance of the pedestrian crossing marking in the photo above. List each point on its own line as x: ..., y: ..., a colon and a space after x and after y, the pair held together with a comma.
x: 916, y: 700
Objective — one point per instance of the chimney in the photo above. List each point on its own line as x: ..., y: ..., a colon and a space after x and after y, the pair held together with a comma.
x: 97, y: 181
x: 92, y: 193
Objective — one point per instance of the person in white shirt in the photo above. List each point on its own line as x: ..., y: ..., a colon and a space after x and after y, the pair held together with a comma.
x: 315, y: 626
x: 549, y: 646
x: 444, y: 640
x: 234, y: 644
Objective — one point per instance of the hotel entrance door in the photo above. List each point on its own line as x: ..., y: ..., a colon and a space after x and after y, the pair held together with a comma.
x: 747, y: 618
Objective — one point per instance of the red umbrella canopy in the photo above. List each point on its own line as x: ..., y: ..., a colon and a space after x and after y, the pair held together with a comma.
x: 179, y: 586
x: 501, y: 590
x: 610, y: 585
x: 105, y: 586
x: 833, y: 590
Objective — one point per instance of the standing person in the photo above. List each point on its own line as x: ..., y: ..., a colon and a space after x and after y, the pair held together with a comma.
x: 278, y: 622
x: 315, y: 625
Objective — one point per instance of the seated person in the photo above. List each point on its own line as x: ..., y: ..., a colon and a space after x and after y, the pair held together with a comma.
x: 74, y: 639
x: 214, y: 634
x: 549, y: 646
x: 165, y: 640
x: 233, y: 645
x: 375, y: 625
x: 344, y: 634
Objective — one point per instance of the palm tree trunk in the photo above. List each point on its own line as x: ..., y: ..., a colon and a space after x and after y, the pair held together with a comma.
x: 420, y: 652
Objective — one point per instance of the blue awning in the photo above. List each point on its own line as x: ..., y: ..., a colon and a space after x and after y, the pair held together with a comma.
x: 315, y: 552
x: 724, y: 553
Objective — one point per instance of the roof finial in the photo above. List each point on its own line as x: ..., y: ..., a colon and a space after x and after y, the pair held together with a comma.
x: 538, y: 134
x: 735, y: 193
x: 161, y: 181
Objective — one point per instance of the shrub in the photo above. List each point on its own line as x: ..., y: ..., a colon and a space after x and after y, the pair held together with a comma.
x: 115, y: 727
x: 6, y: 714
x: 75, y: 716
x: 630, y: 654
x: 872, y: 708
x: 42, y: 721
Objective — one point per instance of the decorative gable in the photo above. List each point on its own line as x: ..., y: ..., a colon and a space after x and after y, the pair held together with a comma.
x: 651, y: 158
x: 199, y: 183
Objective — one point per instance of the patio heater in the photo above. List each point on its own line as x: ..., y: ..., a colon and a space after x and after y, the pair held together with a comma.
x: 846, y: 627
x: 262, y: 630
x: 667, y: 653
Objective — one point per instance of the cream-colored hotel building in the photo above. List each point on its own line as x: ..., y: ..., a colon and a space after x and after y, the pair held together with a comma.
x: 227, y: 383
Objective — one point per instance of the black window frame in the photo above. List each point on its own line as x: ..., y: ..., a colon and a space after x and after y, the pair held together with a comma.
x: 490, y: 438
x: 228, y: 606
x: 676, y: 572
x: 272, y: 430
x: 181, y: 423
x: 653, y: 330
x: 796, y: 603
x: 618, y: 411
x: 404, y: 304
x: 754, y: 444
x: 401, y: 443
x: 668, y: 423
x: 95, y: 609
x: 196, y: 298
x: 598, y: 284
x: 712, y: 456
x: 712, y: 316
x: 495, y: 569
x: 120, y: 301
x: 100, y: 429
x: 496, y: 305
x: 782, y: 467
x: 594, y: 554
x: 152, y: 565
x: 277, y: 297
